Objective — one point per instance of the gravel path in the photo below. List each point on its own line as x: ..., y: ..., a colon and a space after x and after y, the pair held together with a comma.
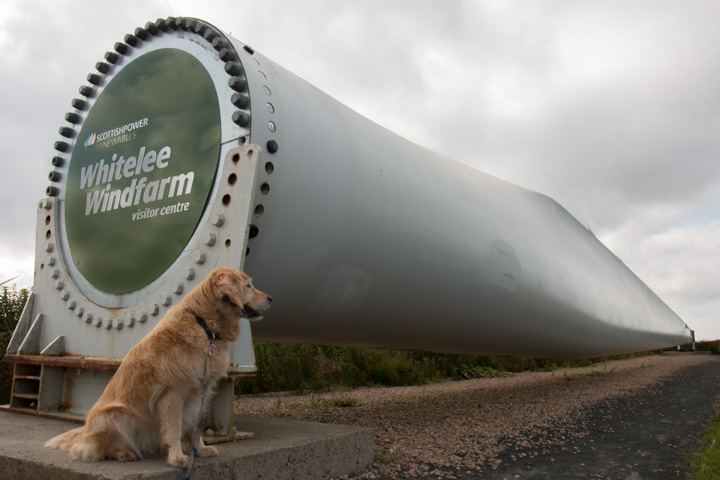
x: 462, y: 429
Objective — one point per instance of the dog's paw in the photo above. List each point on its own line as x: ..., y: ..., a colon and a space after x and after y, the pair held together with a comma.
x: 178, y: 461
x: 125, y: 456
x: 206, y: 451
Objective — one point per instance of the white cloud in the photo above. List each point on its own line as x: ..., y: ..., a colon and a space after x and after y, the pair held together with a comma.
x: 611, y: 108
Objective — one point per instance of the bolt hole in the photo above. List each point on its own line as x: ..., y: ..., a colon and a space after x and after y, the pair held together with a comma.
x: 228, y: 242
x: 269, y: 168
x: 47, y: 220
x: 48, y: 234
x: 226, y: 200
x: 232, y: 179
x: 259, y: 210
x: 264, y: 188
x: 243, y: 140
x: 236, y: 158
x: 250, y: 153
x: 42, y: 266
x: 254, y: 231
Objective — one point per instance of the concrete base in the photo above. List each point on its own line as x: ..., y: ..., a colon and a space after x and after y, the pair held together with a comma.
x: 677, y: 354
x: 281, y: 449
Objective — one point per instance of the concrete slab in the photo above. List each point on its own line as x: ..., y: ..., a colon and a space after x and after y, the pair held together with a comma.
x: 678, y: 354
x: 281, y: 449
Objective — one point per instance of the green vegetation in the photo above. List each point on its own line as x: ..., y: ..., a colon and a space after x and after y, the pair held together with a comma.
x: 467, y: 372
x: 708, y: 346
x: 12, y: 302
x: 706, y: 461
x: 287, y: 367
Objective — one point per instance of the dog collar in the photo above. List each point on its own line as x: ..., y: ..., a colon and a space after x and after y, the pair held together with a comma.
x: 210, y: 334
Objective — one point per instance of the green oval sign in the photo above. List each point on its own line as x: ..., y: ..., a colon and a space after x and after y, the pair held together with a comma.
x: 142, y: 170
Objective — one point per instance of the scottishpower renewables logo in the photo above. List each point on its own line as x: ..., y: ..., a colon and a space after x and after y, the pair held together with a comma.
x: 135, y: 193
x: 96, y: 179
x: 114, y: 136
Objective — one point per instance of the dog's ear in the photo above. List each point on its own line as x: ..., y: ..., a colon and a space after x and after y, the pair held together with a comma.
x: 229, y: 286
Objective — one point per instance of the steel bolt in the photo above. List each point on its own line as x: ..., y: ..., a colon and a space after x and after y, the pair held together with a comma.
x: 112, y: 57
x: 240, y: 100
x: 79, y: 104
x: 189, y: 273
x: 72, y: 117
x: 102, y: 67
x: 241, y: 118
x: 237, y: 83
x: 217, y: 219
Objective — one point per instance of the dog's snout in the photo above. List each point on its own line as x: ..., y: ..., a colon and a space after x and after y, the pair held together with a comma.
x: 269, y: 299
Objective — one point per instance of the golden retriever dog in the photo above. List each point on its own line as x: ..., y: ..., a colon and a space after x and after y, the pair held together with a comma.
x: 153, y: 402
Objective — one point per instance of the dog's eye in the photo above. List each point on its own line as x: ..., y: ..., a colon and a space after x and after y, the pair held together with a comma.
x: 249, y: 285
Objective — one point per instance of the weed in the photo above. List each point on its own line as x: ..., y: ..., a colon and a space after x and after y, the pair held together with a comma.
x: 316, y: 402
x: 12, y: 302
x: 598, y: 373
x: 344, y: 402
x: 467, y: 372
x: 706, y: 461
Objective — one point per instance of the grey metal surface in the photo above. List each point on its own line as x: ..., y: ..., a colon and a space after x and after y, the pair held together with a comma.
x: 367, y: 239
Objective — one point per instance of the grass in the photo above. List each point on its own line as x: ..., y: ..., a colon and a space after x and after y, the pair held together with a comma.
x: 12, y: 302
x: 706, y: 460
x: 288, y: 367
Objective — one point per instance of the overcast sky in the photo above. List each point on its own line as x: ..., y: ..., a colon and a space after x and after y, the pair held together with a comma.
x: 612, y: 108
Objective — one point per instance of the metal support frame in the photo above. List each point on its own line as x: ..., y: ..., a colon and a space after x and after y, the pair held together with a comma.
x: 65, y: 347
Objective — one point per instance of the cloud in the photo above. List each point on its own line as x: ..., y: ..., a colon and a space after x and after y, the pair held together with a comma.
x: 610, y: 107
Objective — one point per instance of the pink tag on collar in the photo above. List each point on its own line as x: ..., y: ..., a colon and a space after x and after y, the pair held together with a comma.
x: 212, y: 348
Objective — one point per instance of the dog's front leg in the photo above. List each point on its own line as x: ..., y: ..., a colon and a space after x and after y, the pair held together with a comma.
x: 191, y: 417
x: 205, y: 450
x: 169, y: 411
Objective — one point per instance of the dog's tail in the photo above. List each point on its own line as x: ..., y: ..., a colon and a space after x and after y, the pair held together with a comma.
x: 107, y: 434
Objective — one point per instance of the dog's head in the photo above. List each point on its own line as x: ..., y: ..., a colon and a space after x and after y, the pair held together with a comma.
x: 225, y: 296
x: 234, y: 289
